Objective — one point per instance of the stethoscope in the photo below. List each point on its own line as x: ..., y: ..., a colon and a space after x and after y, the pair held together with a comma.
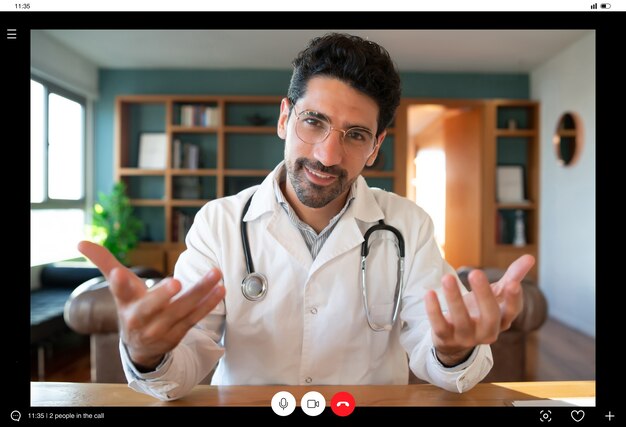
x: 254, y: 285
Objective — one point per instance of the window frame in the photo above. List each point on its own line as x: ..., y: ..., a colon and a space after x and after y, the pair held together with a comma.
x: 48, y: 203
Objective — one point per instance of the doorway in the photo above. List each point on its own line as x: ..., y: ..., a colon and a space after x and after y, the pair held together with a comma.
x: 444, y: 141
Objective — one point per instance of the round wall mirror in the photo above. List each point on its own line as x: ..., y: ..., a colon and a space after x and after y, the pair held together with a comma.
x: 568, y: 139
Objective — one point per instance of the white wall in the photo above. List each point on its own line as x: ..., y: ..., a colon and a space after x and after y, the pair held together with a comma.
x: 60, y: 65
x: 568, y: 196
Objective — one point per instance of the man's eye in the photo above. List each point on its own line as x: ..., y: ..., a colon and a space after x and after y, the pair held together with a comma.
x: 313, y: 122
x: 358, y: 135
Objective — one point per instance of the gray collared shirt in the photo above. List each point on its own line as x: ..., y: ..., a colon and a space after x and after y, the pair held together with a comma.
x: 313, y: 240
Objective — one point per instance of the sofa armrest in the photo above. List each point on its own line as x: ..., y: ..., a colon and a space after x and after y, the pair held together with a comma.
x: 535, y: 310
x: 90, y: 309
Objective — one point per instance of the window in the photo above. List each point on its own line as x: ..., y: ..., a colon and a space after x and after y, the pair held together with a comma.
x: 57, y: 173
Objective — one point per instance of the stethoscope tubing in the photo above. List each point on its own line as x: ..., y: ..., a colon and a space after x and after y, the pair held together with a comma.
x: 254, y: 285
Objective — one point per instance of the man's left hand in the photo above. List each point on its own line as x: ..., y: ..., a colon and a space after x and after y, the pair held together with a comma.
x: 479, y: 316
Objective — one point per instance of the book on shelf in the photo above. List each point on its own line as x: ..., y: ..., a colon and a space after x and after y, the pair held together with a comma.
x: 199, y: 115
x: 191, y: 156
x: 511, y: 225
x: 186, y: 115
x: 185, y: 155
x: 500, y: 231
x: 211, y: 116
x: 181, y: 224
x: 177, y: 154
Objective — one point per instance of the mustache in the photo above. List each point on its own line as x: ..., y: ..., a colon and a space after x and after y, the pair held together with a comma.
x: 319, y: 167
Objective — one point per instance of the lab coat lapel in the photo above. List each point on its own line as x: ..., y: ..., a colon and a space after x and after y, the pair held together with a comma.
x: 278, y: 225
x: 289, y: 237
x: 343, y: 238
x: 347, y: 233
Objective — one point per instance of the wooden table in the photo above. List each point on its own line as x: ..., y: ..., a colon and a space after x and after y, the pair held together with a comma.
x: 494, y: 394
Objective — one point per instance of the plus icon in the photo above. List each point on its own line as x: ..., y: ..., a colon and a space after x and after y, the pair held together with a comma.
x: 610, y: 416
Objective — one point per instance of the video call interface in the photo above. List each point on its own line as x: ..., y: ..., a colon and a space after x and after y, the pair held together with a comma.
x: 568, y: 379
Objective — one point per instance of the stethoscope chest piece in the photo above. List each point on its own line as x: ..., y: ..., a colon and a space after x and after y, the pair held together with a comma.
x: 254, y: 286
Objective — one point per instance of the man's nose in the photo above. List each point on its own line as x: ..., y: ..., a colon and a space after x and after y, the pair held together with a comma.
x: 330, y: 151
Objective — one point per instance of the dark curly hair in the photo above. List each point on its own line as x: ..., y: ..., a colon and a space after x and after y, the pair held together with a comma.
x: 360, y: 63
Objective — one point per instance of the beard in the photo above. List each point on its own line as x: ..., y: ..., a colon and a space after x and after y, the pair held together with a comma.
x: 313, y: 195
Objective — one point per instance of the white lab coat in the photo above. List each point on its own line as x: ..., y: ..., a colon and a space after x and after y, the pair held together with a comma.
x: 311, y: 328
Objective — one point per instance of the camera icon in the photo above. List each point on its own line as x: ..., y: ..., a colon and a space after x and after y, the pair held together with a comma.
x: 311, y: 403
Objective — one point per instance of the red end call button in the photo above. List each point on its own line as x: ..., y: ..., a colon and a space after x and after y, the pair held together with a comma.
x: 342, y: 404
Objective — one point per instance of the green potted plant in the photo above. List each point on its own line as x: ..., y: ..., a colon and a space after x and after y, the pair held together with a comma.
x: 113, y: 223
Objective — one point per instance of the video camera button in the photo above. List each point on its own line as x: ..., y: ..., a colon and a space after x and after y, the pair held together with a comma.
x: 313, y: 403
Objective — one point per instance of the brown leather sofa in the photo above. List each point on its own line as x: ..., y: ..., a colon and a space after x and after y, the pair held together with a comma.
x: 91, y: 310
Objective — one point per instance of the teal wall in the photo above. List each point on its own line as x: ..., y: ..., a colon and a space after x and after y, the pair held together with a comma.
x: 265, y: 82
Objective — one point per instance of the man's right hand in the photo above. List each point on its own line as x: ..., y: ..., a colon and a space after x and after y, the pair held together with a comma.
x: 152, y: 323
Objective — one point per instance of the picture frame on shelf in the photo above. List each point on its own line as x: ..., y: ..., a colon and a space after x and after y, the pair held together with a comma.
x: 152, y: 150
x: 510, y: 184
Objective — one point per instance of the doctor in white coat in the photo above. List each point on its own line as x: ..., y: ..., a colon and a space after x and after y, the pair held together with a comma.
x: 305, y: 227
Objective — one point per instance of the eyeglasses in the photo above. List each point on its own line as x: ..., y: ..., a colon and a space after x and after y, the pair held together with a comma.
x: 313, y: 127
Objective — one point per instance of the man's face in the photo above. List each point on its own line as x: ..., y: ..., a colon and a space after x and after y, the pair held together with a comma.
x: 320, y: 173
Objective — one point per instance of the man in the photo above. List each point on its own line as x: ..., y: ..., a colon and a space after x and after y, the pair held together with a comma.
x: 321, y: 317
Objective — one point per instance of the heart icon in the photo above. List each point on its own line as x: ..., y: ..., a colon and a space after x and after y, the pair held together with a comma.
x: 578, y: 415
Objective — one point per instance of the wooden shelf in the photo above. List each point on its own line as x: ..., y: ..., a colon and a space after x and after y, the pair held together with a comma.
x: 529, y: 248
x: 523, y: 206
x: 246, y: 172
x: 183, y: 203
x: 378, y: 174
x: 194, y: 172
x: 250, y: 129
x: 147, y: 202
x: 140, y: 172
x: 521, y: 133
x: 193, y: 129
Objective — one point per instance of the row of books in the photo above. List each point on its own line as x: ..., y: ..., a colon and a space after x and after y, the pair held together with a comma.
x: 186, y: 155
x: 181, y: 223
x: 187, y: 187
x: 199, y: 115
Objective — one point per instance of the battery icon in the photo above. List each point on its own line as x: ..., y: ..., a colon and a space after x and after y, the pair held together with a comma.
x: 605, y: 6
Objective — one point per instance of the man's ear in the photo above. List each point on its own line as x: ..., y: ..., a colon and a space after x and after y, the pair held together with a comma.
x: 281, y: 128
x: 379, y: 141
